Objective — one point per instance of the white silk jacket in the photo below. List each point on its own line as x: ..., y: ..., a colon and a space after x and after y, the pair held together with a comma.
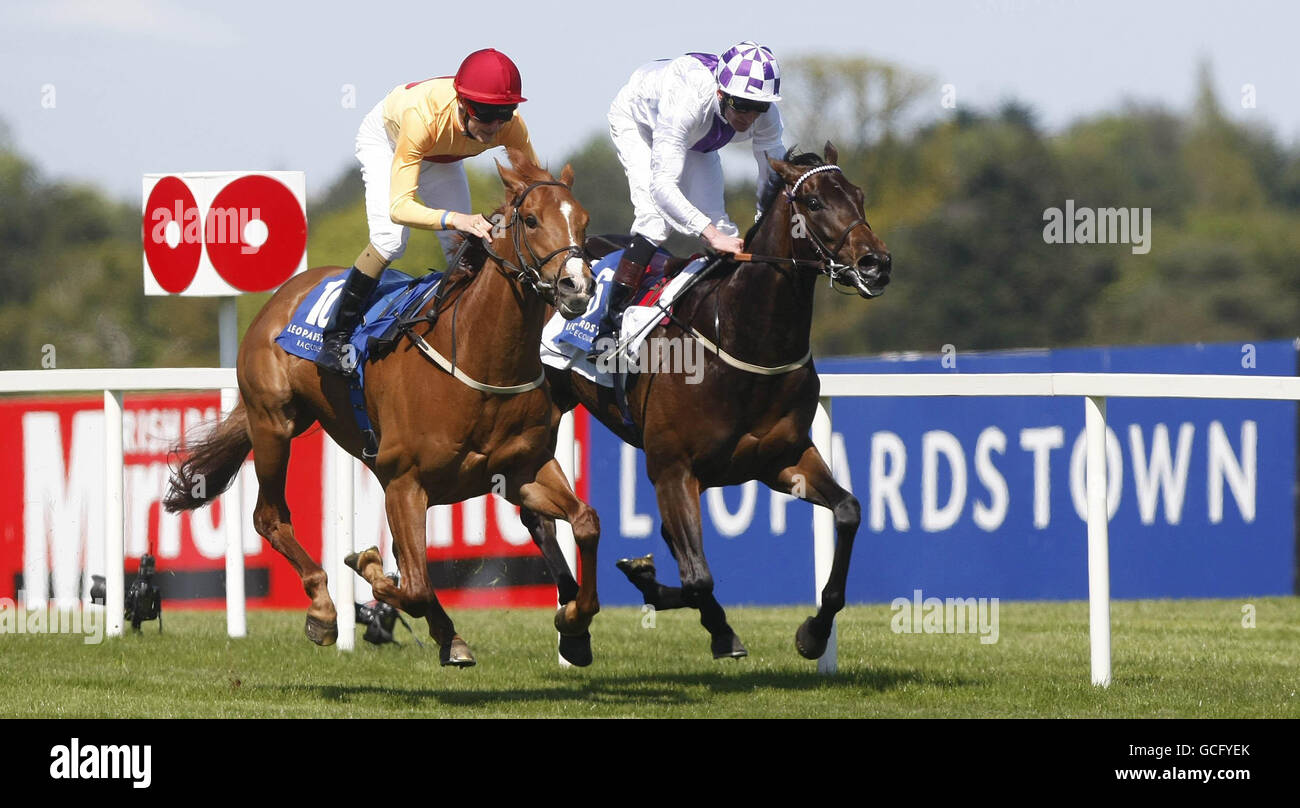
x: 675, y: 106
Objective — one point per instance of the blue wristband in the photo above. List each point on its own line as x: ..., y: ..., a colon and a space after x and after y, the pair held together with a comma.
x: 445, y: 214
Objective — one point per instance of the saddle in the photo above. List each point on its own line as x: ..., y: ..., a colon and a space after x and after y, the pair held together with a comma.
x: 394, y: 307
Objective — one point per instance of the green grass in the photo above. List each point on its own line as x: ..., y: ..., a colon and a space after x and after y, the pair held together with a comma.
x: 1171, y: 658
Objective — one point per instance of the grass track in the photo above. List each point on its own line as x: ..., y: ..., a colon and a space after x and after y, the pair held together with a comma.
x: 1190, y: 659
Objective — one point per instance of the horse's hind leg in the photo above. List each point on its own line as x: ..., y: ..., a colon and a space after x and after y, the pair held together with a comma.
x: 271, y: 432
x: 809, y: 478
x: 679, y: 506
x: 407, y: 502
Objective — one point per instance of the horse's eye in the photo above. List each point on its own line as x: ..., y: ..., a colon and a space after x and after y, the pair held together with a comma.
x: 814, y: 203
x: 531, y: 221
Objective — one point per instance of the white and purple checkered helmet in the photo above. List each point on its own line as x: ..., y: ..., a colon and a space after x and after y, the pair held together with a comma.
x: 749, y: 70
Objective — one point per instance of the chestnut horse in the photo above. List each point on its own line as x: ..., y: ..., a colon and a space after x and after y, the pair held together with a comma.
x: 441, y: 438
x: 749, y: 415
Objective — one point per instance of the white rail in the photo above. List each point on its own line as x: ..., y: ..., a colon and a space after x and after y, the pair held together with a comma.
x: 113, y: 382
x: 1094, y: 388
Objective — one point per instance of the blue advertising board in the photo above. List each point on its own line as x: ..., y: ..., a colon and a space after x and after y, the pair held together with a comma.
x: 983, y: 497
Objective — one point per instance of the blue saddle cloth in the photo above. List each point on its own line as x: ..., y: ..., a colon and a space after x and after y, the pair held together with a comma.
x: 397, y: 295
x: 583, y: 331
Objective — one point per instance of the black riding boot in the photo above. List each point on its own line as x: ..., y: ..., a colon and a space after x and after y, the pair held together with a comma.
x: 620, y: 295
x: 336, y: 353
x: 626, y: 279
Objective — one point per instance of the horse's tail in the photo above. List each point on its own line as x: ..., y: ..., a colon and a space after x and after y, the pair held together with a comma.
x: 210, y: 465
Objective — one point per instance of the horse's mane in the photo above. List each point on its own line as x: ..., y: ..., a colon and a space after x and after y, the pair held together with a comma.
x: 776, y: 184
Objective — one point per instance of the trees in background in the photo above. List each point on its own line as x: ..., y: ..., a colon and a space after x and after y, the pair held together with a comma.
x: 958, y: 194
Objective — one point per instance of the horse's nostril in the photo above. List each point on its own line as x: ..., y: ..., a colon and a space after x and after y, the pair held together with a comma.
x: 568, y: 285
x: 880, y: 261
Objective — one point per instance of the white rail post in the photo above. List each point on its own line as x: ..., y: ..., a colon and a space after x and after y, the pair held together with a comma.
x: 232, y: 510
x: 232, y: 514
x: 567, y: 456
x: 114, y: 527
x: 1098, y: 541
x: 824, y: 533
x: 343, y: 474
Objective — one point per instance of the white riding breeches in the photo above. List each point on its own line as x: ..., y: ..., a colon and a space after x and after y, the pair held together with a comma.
x: 441, y: 185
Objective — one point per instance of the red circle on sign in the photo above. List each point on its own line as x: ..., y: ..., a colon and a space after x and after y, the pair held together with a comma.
x: 242, y: 265
x: 173, y: 267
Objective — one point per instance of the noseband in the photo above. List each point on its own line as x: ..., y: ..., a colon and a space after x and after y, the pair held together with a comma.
x: 530, y: 271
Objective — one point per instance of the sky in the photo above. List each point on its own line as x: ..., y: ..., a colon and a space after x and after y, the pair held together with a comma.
x: 103, y: 91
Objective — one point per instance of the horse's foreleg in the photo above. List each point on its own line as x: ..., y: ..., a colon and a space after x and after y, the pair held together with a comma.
x: 542, y: 529
x: 271, y: 433
x: 407, y: 503
x: 811, y: 479
x: 642, y: 574
x: 679, y: 506
x: 551, y: 495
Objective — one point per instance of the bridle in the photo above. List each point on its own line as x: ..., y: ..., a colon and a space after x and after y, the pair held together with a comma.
x: 827, y: 264
x: 530, y: 271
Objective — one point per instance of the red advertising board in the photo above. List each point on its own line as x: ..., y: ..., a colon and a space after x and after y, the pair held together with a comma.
x: 51, y: 514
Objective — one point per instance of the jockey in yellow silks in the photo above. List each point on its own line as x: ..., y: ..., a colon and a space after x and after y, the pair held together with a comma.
x: 412, y: 143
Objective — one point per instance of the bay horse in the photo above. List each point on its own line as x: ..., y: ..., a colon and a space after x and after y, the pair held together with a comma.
x: 749, y: 415
x: 441, y: 438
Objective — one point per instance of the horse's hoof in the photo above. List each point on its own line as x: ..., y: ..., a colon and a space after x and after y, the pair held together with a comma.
x: 456, y: 653
x: 807, y: 641
x: 576, y: 650
x: 637, y: 566
x: 353, y: 560
x: 320, y: 632
x: 728, y: 646
x: 563, y: 622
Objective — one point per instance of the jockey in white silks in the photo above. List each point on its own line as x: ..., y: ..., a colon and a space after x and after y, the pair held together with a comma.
x: 668, y: 123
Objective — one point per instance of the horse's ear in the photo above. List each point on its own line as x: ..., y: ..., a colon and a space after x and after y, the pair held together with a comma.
x: 519, y: 159
x: 511, y: 179
x: 566, y: 176
x: 789, y: 173
x: 830, y: 154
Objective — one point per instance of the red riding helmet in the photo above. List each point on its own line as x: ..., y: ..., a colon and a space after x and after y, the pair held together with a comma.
x: 489, y: 77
